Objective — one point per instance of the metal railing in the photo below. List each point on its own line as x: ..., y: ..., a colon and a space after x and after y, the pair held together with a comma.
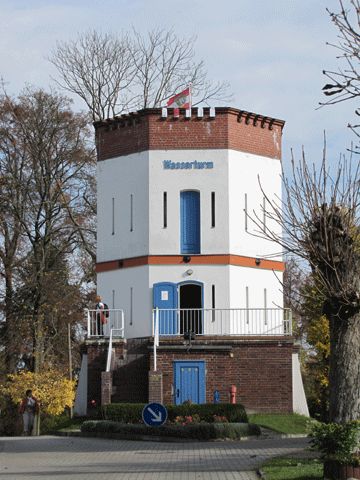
x: 113, y: 332
x: 233, y: 321
x: 105, y: 323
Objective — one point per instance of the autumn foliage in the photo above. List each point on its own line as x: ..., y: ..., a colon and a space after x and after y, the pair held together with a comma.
x: 54, y: 391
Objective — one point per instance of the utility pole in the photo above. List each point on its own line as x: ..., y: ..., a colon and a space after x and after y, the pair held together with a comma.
x: 70, y: 362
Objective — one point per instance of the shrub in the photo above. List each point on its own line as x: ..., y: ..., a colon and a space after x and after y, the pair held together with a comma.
x: 53, y: 390
x: 179, y: 420
x: 200, y: 431
x: 132, y: 412
x: 207, y: 411
x: 338, y: 442
x: 123, y: 412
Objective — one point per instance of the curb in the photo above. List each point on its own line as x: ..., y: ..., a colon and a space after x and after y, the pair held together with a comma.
x: 124, y: 436
x: 155, y: 438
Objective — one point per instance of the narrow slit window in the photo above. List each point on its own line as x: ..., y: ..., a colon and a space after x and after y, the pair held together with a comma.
x: 113, y: 299
x: 113, y: 216
x: 131, y: 305
x: 246, y: 212
x: 165, y: 209
x: 212, y: 209
x: 131, y: 213
x: 213, y: 303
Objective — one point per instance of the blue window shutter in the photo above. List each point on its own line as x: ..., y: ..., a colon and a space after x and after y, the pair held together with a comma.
x: 190, y: 221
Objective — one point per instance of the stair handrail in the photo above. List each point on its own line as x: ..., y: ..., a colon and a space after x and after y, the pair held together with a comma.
x: 109, y: 354
x: 108, y: 361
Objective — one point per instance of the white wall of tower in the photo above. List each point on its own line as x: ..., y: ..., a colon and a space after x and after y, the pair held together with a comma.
x: 119, y: 235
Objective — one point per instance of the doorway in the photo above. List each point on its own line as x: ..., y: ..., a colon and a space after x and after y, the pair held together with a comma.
x: 191, y: 305
x: 189, y: 381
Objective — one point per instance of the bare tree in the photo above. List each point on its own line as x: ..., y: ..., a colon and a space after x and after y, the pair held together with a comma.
x: 11, y: 254
x: 52, y: 144
x: 99, y: 69
x: 165, y: 64
x: 345, y: 82
x: 116, y: 74
x: 319, y: 216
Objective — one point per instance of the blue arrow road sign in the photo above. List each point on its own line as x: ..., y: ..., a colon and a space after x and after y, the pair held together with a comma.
x: 154, y: 414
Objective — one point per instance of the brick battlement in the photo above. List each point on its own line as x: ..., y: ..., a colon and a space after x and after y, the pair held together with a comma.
x: 230, y: 128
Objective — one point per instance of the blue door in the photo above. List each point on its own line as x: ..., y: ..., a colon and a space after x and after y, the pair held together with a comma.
x: 165, y: 298
x: 189, y: 382
x: 190, y: 221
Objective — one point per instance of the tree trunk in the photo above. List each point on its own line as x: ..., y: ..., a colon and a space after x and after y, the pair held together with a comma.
x: 344, y: 369
x: 11, y: 337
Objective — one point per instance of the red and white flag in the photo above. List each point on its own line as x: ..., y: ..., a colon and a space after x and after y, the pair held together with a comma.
x: 180, y: 100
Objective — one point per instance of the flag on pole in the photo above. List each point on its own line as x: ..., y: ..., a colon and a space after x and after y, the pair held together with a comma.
x: 180, y: 100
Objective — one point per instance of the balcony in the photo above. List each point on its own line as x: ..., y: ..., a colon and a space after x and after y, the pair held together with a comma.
x: 200, y: 321
x: 223, y: 322
x: 105, y: 323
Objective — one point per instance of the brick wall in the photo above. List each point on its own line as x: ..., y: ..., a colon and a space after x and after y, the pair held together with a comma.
x: 260, y: 368
x: 230, y: 128
x: 261, y: 371
x: 130, y: 378
x: 97, y: 355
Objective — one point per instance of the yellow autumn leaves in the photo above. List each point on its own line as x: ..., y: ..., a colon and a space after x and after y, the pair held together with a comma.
x: 54, y: 391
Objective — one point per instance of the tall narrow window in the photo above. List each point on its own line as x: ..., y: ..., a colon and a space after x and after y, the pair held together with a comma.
x: 265, y: 307
x: 246, y: 212
x: 212, y: 209
x: 131, y: 213
x: 247, y: 304
x: 113, y: 216
x: 131, y: 305
x: 113, y: 299
x: 190, y: 221
x: 213, y: 302
x: 165, y: 209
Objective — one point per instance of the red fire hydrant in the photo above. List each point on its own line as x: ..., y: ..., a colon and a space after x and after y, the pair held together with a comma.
x: 232, y: 391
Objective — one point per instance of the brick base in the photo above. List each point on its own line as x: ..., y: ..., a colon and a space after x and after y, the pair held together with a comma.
x: 260, y: 369
x: 106, y: 387
x: 155, y: 387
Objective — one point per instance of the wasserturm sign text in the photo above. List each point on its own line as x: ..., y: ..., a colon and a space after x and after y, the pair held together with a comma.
x: 195, y: 165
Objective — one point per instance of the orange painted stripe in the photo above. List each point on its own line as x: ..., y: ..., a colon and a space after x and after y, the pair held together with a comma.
x: 236, y: 260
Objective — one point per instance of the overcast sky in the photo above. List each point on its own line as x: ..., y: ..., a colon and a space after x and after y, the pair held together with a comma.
x: 271, y: 52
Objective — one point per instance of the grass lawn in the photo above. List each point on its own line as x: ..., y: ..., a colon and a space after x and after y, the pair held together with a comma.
x: 281, y: 423
x: 293, y: 469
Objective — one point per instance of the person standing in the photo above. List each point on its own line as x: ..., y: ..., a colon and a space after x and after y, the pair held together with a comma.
x: 29, y: 406
x: 102, y: 314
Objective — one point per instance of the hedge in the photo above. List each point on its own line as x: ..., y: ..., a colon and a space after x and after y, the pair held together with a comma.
x: 200, y: 431
x: 132, y: 412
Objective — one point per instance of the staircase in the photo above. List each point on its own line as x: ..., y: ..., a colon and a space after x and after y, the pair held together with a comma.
x: 131, y: 373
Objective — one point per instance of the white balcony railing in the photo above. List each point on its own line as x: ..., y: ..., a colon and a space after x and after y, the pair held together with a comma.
x: 234, y: 321
x: 100, y: 323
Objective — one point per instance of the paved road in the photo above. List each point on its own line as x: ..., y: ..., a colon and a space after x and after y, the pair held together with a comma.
x: 77, y: 458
